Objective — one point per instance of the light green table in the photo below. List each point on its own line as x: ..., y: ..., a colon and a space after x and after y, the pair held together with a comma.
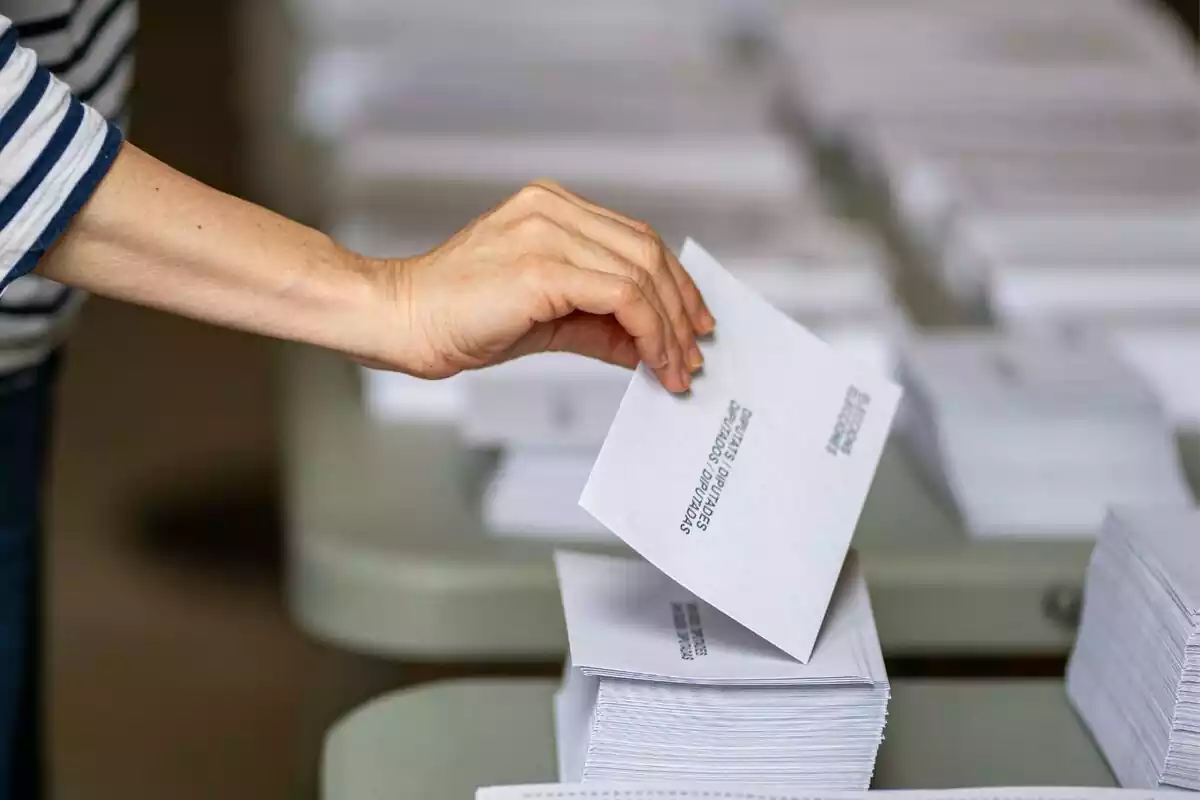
x: 388, y: 554
x: 442, y: 741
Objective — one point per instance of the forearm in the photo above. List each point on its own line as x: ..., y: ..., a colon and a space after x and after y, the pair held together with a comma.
x: 153, y: 236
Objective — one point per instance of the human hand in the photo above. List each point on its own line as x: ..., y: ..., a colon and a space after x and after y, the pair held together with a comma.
x: 547, y: 270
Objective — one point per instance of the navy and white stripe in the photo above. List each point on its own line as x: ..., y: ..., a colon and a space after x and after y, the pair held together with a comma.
x: 66, y: 68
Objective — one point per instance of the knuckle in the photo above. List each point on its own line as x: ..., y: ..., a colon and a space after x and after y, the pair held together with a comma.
x: 643, y: 280
x: 651, y: 250
x: 534, y: 227
x: 533, y: 275
x: 531, y: 269
x: 533, y: 195
x: 642, y: 227
x: 628, y: 291
x: 548, y: 185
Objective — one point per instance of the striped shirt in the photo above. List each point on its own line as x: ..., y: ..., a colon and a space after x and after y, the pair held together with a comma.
x: 66, y: 67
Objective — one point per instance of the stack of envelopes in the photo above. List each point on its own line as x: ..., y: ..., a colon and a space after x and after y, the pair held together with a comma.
x: 1036, y: 436
x: 872, y: 59
x: 662, y: 686
x: 1070, y: 234
x: 1135, y: 673
x: 745, y: 651
x: 691, y: 790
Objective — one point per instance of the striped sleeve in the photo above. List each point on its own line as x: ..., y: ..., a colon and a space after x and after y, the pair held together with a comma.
x: 54, y: 151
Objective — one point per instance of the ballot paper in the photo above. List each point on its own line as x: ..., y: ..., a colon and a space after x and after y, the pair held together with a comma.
x: 747, y: 489
x: 931, y: 189
x: 606, y: 33
x: 1135, y: 668
x: 876, y: 139
x: 734, y: 187
x: 348, y: 89
x: 1035, y: 436
x: 1019, y: 262
x: 1100, y: 292
x: 697, y: 791
x: 1058, y: 55
x: 645, y: 653
x: 757, y: 169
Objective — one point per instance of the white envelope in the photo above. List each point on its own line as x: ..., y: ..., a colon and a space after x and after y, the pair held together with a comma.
x: 747, y: 490
x: 625, y: 619
x: 702, y: 791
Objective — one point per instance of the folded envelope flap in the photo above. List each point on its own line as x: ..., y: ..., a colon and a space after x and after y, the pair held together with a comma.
x: 625, y: 618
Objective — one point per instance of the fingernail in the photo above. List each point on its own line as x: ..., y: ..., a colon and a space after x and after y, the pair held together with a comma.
x: 685, y: 379
x: 695, y: 358
x: 707, y: 323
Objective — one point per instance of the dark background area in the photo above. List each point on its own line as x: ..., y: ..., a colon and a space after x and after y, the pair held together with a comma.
x: 175, y: 671
x: 1189, y: 12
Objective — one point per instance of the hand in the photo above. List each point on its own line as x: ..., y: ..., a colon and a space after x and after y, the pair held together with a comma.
x: 548, y: 270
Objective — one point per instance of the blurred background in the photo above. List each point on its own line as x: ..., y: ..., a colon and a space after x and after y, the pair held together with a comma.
x: 177, y: 670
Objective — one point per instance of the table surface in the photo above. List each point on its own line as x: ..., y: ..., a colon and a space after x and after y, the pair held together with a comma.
x: 389, y: 555
x: 444, y: 740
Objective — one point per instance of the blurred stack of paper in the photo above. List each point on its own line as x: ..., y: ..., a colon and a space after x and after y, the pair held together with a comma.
x: 1036, y: 436
x: 534, y: 493
x: 1134, y: 675
x: 863, y: 59
x: 1010, y: 232
x: 529, y: 89
x: 430, y: 114
x: 401, y: 398
x: 1166, y: 357
x: 831, y: 277
x: 906, y: 145
x: 1044, y: 158
x: 548, y: 400
x: 934, y: 190
x: 611, y: 32
x: 735, y: 188
x: 661, y: 686
x: 690, y: 790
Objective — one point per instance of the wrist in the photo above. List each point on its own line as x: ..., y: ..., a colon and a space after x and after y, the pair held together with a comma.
x: 373, y: 317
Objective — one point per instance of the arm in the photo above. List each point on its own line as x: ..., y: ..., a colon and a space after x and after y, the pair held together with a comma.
x: 153, y: 236
x: 544, y: 271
